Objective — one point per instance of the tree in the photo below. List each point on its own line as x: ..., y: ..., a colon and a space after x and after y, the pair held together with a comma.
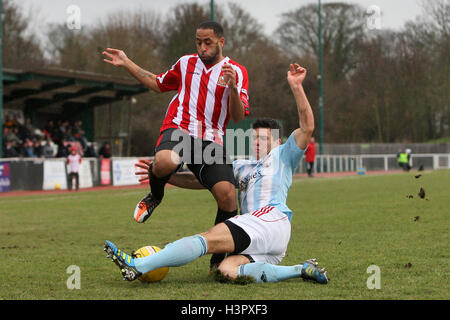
x: 139, y: 35
x: 426, y: 46
x: 243, y: 32
x: 342, y: 31
x: 343, y: 34
x: 179, y: 31
x: 21, y: 48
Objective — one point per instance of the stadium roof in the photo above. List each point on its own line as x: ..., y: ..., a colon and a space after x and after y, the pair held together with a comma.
x: 64, y: 88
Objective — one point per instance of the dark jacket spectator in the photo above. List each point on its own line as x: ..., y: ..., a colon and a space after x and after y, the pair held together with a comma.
x: 63, y: 151
x: 9, y: 151
x: 105, y: 151
x: 37, y: 147
x: 90, y: 151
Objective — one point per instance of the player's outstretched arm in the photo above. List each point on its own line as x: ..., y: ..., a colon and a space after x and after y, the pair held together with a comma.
x: 295, y: 77
x: 186, y: 180
x: 118, y: 58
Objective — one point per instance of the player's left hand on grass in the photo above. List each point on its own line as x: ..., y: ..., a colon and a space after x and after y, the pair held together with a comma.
x: 142, y: 169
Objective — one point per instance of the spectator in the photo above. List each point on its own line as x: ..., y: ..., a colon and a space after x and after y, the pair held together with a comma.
x: 73, y: 166
x: 403, y: 160
x: 9, y: 150
x: 9, y: 134
x: 78, y: 133
x: 62, y: 126
x: 9, y: 123
x: 67, y: 135
x: 57, y: 134
x: 90, y: 150
x: 17, y: 130
x: 49, y: 129
x: 29, y: 128
x: 47, y: 149
x: 37, y: 147
x: 76, y: 129
x: 310, y: 156
x: 63, y: 151
x: 105, y: 151
x: 28, y: 148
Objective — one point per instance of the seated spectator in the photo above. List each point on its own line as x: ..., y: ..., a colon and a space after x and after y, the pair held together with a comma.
x: 9, y: 134
x: 78, y: 133
x: 48, y: 129
x: 90, y: 150
x: 57, y: 134
x: 20, y: 129
x: 9, y: 151
x: 105, y: 151
x: 29, y: 128
x: 9, y: 122
x: 63, y: 151
x: 28, y: 147
x: 47, y: 149
x: 76, y: 129
x: 67, y: 135
x: 19, y: 132
x: 37, y: 147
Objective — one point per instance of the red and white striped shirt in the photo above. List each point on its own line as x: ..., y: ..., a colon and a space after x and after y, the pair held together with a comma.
x: 201, y: 105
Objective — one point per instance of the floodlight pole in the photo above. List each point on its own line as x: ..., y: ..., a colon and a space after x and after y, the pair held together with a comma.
x: 320, y: 85
x: 1, y: 79
x: 211, y: 10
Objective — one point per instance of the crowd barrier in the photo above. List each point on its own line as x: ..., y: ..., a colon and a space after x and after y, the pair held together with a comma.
x: 50, y: 174
x: 375, y: 162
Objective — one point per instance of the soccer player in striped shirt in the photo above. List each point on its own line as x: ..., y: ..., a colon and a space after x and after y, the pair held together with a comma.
x: 257, y: 239
x: 211, y: 90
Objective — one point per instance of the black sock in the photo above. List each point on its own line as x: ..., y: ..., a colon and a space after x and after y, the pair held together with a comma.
x: 157, y: 184
x: 221, y: 216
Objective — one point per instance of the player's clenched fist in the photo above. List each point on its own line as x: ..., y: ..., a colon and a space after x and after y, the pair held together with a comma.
x: 229, y: 75
x: 116, y: 57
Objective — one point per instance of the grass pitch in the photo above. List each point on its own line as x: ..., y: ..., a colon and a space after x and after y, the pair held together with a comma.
x: 348, y: 224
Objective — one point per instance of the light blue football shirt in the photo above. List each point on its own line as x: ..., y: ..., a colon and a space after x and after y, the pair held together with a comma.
x: 267, y: 181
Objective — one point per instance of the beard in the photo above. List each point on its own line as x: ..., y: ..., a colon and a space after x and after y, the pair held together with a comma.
x: 211, y: 59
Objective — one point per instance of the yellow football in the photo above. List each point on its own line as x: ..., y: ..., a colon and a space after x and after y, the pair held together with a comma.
x: 154, y: 275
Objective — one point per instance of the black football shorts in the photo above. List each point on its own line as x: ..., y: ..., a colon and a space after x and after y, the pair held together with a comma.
x: 207, y: 160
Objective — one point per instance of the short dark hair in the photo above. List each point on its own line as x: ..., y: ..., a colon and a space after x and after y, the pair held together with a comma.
x: 268, y: 124
x: 216, y: 27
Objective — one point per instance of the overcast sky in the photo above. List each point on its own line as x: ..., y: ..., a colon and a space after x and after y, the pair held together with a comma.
x: 394, y: 12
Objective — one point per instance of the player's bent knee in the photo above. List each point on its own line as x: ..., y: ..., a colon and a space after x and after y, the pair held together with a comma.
x: 165, y: 163
x: 225, y: 195
x: 219, y: 239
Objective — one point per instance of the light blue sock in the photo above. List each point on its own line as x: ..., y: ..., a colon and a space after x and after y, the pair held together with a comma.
x: 266, y: 272
x: 175, y: 254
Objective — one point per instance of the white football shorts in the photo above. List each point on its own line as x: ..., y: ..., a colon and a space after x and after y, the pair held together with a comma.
x: 269, y: 230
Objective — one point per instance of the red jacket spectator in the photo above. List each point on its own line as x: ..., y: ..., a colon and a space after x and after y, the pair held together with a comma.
x: 310, y: 154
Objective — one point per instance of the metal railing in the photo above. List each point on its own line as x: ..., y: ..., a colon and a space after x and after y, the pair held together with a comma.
x: 375, y: 162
